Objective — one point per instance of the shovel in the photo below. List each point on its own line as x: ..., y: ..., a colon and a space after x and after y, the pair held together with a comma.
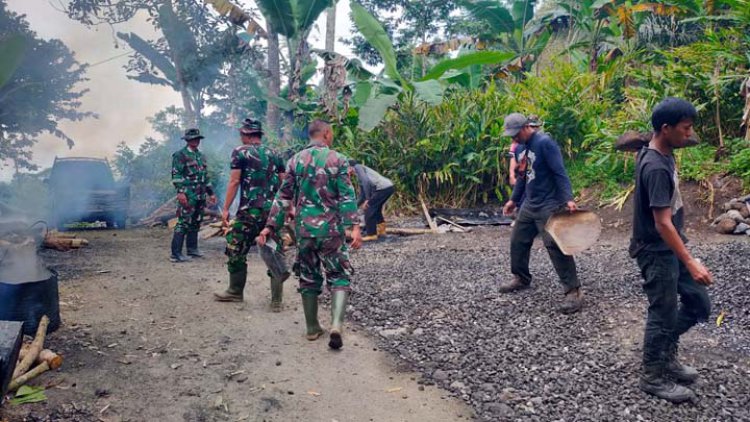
x: 574, y: 232
x: 274, y: 260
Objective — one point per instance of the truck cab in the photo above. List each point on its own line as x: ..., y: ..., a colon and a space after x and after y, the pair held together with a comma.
x: 84, y: 189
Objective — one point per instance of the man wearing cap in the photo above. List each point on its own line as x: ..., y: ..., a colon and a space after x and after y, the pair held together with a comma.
x: 256, y: 171
x: 545, y: 187
x: 317, y: 184
x: 194, y: 190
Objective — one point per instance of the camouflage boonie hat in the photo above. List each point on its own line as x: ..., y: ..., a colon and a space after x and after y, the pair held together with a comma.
x: 250, y: 127
x: 192, y: 134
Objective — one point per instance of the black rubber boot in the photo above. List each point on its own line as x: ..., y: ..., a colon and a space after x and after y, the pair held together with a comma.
x: 654, y: 382
x: 191, y: 242
x: 178, y: 238
x: 677, y: 371
x: 234, y: 292
x: 310, y: 306
x: 338, y: 310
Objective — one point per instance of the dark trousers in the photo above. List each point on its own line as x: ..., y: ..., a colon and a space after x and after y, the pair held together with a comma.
x: 528, y: 225
x: 664, y: 278
x: 374, y: 211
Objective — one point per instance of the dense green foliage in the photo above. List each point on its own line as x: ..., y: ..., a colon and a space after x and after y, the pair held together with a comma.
x: 591, y: 70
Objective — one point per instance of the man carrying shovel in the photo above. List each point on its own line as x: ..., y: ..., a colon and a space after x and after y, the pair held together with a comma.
x: 658, y: 245
x: 545, y: 187
x: 256, y: 172
x: 317, y: 184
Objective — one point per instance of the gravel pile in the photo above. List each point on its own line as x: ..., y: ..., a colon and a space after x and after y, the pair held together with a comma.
x: 432, y: 301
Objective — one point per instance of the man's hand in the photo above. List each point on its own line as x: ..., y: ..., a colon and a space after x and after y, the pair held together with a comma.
x: 356, y: 237
x: 212, y: 200
x: 365, y: 205
x: 263, y: 236
x: 225, y: 217
x: 509, y: 207
x: 571, y: 205
x: 182, y: 199
x: 699, y: 273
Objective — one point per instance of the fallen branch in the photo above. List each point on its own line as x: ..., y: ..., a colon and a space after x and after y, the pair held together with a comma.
x: 454, y: 224
x: 407, y: 231
x: 23, y: 379
x: 34, y: 349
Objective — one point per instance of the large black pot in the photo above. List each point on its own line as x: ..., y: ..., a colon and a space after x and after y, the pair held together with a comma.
x: 28, y: 291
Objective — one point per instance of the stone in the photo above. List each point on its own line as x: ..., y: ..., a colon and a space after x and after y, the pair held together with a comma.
x: 389, y: 333
x: 500, y: 411
x: 741, y: 228
x: 458, y: 385
x: 440, y: 375
x: 726, y: 226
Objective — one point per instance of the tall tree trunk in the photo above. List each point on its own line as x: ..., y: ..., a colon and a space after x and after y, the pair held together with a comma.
x: 331, y: 28
x: 274, y: 81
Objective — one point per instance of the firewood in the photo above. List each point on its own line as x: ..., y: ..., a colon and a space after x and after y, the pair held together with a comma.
x: 34, y: 349
x: 429, y: 219
x: 53, y: 359
x: 23, y: 379
x: 407, y: 231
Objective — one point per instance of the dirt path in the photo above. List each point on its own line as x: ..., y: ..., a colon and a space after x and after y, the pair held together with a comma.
x: 143, y: 341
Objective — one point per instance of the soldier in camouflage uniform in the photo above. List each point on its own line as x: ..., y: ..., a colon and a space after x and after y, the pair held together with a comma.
x: 317, y: 184
x: 256, y: 171
x: 194, y: 191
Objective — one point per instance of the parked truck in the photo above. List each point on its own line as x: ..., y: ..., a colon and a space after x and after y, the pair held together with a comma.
x: 84, y: 189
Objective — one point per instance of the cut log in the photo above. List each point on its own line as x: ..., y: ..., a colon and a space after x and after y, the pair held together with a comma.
x: 53, y: 359
x: 23, y: 379
x: 34, y: 349
x: 407, y: 231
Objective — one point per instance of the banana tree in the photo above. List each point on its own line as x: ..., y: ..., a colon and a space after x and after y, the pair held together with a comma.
x: 511, y: 27
x: 375, y: 95
x: 293, y: 19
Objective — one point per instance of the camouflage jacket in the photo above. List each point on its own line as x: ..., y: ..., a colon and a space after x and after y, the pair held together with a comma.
x: 189, y: 173
x: 260, y: 166
x: 317, y: 184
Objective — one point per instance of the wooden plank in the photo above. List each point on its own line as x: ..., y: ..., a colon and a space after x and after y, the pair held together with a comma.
x: 11, y: 335
x: 430, y: 221
x: 407, y: 231
x: 454, y: 224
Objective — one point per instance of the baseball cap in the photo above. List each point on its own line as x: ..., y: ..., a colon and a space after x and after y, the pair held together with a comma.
x: 513, y: 124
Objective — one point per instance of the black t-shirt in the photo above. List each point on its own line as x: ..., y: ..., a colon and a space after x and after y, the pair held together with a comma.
x: 656, y: 186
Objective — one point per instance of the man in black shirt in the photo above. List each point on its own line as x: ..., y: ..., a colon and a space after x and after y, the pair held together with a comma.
x: 658, y: 245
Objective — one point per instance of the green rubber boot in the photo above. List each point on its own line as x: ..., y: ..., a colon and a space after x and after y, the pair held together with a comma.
x: 310, y: 306
x: 338, y: 309
x: 277, y: 294
x: 236, y: 287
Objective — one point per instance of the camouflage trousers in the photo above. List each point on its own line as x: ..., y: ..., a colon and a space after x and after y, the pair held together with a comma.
x: 189, y: 217
x: 322, y: 259
x: 240, y: 238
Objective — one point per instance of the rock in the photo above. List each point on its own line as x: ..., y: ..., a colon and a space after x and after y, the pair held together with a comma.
x: 500, y: 411
x: 440, y: 375
x: 735, y: 215
x: 458, y: 385
x: 726, y: 226
x: 741, y: 228
x: 418, y: 332
x: 393, y: 332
